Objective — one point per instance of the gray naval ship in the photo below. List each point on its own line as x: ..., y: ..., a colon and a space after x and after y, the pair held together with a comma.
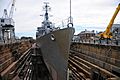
x: 55, y: 44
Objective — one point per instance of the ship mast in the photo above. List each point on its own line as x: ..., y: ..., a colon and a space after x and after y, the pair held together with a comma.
x: 46, y: 10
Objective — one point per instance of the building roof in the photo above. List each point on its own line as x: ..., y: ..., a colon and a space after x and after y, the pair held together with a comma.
x: 89, y: 32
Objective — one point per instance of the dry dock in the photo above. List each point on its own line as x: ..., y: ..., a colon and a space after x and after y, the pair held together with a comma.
x: 87, y: 61
x: 94, y: 61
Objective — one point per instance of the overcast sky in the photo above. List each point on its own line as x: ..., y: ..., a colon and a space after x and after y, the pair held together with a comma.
x: 87, y: 14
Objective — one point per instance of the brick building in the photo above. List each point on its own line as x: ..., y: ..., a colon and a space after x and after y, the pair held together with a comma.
x: 87, y: 35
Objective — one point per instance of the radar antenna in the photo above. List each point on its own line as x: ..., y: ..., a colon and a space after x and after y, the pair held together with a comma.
x: 46, y: 8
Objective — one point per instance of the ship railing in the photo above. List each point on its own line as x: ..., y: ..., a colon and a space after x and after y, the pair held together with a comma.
x: 65, y: 23
x: 101, y: 42
x: 64, y: 26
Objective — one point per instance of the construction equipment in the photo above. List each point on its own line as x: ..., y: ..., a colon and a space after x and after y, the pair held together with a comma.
x: 12, y: 9
x: 7, y: 20
x: 7, y: 24
x: 107, y: 33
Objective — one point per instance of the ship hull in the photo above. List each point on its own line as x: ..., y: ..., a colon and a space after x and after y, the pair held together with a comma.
x: 55, y: 50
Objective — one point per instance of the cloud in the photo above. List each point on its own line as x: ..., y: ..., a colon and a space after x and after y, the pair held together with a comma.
x: 90, y: 14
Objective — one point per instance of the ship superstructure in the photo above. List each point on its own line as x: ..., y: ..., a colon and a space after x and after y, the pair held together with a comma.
x: 47, y: 26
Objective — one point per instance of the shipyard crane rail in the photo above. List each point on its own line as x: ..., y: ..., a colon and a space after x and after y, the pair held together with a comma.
x: 107, y: 33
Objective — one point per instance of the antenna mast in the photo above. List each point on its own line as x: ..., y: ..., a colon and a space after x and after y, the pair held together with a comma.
x: 46, y: 8
x: 70, y: 19
x: 70, y: 12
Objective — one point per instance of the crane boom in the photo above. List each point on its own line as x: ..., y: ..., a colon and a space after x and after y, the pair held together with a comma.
x: 107, y: 32
x: 5, y: 15
x: 12, y: 9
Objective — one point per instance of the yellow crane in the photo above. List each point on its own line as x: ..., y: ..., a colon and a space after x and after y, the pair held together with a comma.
x: 107, y: 33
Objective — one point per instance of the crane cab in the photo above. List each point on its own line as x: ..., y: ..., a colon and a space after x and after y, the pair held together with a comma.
x: 6, y: 22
